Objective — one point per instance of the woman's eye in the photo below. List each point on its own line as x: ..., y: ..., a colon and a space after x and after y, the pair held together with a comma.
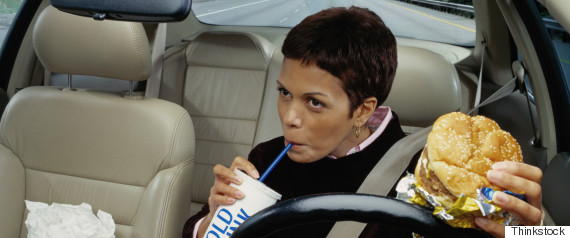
x: 315, y: 103
x: 283, y: 92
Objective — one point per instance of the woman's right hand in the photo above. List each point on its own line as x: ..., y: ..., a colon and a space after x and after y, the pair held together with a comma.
x: 222, y: 193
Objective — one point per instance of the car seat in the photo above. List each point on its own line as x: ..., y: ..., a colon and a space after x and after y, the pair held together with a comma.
x: 222, y: 85
x: 126, y: 155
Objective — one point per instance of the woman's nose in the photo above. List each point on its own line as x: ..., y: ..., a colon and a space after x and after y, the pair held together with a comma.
x: 293, y: 116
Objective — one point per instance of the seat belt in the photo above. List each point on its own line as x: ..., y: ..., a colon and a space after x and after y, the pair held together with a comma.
x: 391, y: 166
x: 383, y: 177
x: 153, y: 83
x: 480, y: 81
x: 507, y: 88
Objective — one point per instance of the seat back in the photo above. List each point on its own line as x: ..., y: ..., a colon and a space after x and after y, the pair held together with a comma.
x: 131, y: 157
x: 223, y: 89
x: 425, y: 87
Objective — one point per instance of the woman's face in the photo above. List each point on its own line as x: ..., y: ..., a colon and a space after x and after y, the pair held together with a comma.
x: 314, y: 112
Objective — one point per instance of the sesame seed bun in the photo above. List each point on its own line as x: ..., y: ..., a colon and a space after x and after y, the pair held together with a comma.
x: 460, y: 150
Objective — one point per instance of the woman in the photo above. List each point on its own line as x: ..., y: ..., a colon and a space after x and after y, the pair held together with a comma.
x: 338, y: 68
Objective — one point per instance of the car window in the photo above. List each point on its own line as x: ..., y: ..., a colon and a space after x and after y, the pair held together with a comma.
x: 449, y: 21
x: 8, y: 9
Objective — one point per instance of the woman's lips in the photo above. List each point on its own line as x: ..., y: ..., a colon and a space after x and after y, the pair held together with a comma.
x: 294, y: 144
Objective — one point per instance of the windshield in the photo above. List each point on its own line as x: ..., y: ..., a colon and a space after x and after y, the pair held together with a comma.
x: 441, y: 21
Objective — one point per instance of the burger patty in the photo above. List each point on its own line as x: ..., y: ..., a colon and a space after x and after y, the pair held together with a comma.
x: 431, y: 184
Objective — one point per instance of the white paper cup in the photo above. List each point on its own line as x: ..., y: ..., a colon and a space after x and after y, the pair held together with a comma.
x: 228, y: 218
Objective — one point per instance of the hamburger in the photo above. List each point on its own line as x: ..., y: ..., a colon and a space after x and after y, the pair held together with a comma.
x: 460, y: 150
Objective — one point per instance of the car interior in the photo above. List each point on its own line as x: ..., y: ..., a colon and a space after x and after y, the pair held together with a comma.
x: 79, y: 128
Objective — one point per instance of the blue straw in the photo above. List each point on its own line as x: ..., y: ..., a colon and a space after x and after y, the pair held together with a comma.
x: 268, y: 170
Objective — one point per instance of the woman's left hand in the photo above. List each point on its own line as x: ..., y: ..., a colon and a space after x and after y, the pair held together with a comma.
x: 518, y: 178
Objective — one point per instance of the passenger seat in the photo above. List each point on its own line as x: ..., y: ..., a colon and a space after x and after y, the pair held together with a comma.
x: 129, y: 156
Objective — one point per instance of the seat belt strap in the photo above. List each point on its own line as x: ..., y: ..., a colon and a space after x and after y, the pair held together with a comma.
x: 479, y: 82
x: 502, y: 92
x: 153, y: 83
x: 388, y: 170
x: 507, y: 88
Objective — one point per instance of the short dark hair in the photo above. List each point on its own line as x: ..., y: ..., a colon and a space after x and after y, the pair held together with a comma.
x: 353, y: 44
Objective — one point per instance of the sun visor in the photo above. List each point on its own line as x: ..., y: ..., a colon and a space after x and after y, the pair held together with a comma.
x: 127, y: 10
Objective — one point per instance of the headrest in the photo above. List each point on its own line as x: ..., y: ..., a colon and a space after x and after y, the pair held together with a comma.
x: 425, y: 87
x: 71, y: 44
x: 230, y: 50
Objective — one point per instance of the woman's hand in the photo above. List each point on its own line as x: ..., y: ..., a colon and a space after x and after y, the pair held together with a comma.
x: 222, y: 193
x: 518, y: 178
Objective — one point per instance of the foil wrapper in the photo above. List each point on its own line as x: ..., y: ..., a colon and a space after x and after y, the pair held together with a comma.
x: 487, y: 193
x: 463, y: 211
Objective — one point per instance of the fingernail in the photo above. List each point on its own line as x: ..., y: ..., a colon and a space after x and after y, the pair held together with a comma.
x: 499, y: 166
x: 500, y: 198
x: 494, y: 176
x: 239, y: 194
x: 238, y: 179
x: 231, y: 200
x: 481, y: 221
x: 255, y: 174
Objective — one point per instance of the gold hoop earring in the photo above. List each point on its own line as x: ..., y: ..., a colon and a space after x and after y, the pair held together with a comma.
x: 357, y: 132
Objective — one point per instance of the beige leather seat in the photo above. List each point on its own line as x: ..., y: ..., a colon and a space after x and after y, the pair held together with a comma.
x: 129, y: 156
x: 425, y: 87
x: 223, y: 85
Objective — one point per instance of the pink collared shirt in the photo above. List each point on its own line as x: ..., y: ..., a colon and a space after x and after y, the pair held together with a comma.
x: 377, y: 123
x: 195, y: 232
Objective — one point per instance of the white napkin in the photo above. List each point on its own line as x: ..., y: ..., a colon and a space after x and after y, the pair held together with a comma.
x: 67, y: 221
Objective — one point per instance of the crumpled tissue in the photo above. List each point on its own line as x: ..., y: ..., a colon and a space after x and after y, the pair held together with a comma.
x: 67, y: 221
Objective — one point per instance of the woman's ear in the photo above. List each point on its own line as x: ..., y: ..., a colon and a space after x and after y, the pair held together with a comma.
x: 365, y: 111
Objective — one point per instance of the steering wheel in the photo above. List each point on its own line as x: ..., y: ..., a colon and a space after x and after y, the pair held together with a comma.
x: 354, y: 207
